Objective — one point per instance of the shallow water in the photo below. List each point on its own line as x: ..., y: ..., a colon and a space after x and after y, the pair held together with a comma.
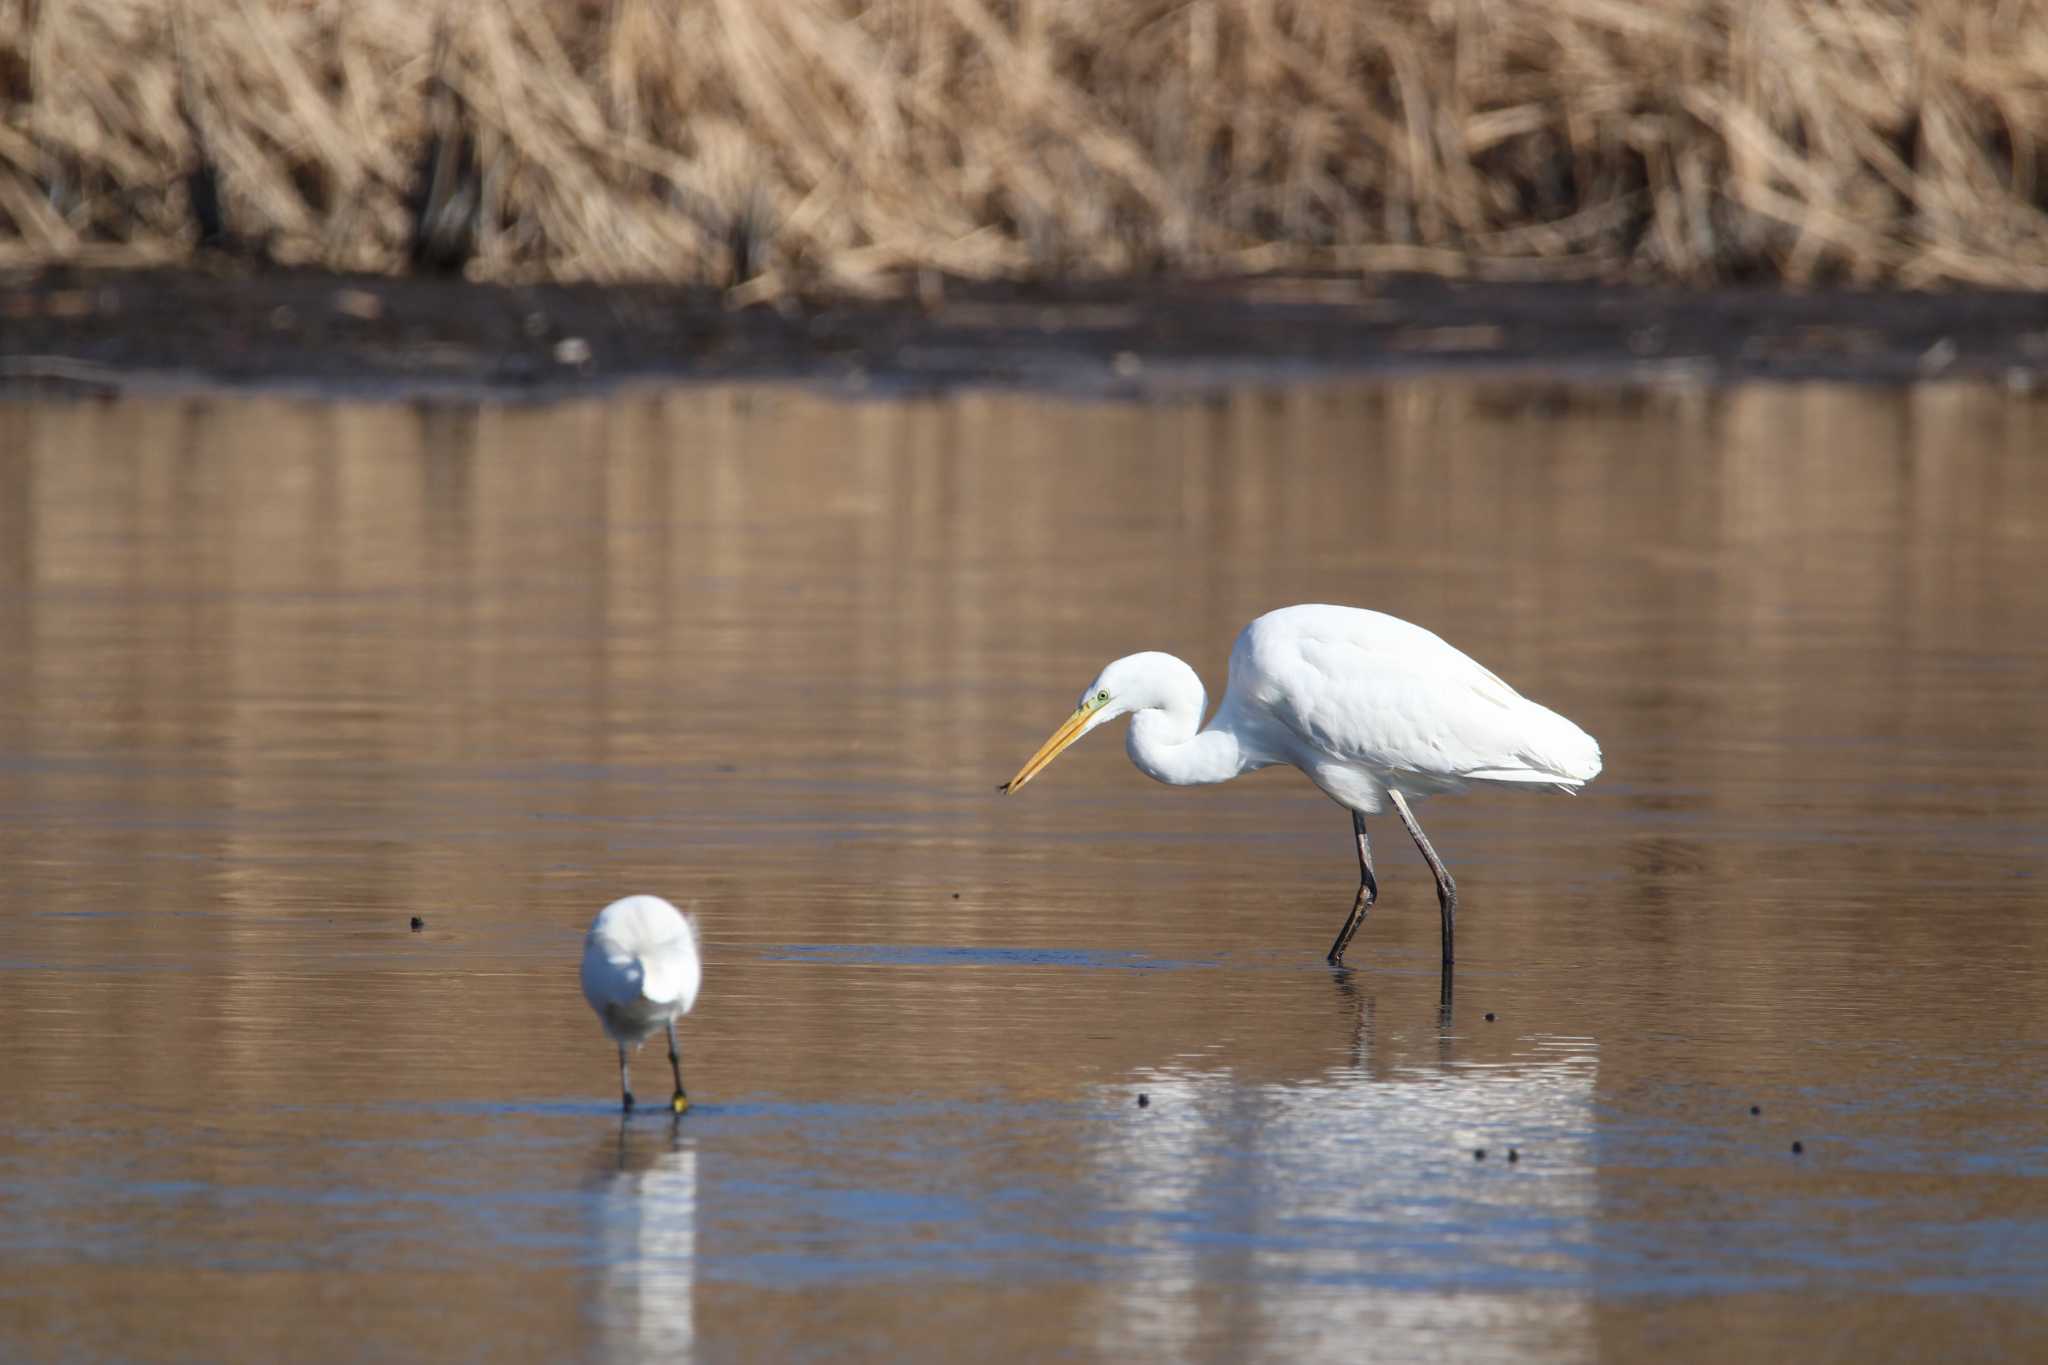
x: 275, y: 677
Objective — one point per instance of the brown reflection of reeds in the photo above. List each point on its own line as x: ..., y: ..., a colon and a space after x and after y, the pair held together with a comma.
x: 275, y: 676
x: 272, y: 662
x: 807, y: 140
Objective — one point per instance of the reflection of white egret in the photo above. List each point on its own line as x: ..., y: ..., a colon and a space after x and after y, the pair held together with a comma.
x: 1346, y: 1212
x: 647, y: 1230
x: 1373, y: 709
x: 641, y: 970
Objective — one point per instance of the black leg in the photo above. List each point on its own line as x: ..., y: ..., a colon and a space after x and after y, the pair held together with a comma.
x: 679, y: 1101
x: 625, y: 1087
x: 1446, y: 889
x: 1368, y: 892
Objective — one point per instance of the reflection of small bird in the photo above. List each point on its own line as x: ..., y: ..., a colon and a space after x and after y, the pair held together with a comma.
x: 641, y: 970
x: 1373, y: 709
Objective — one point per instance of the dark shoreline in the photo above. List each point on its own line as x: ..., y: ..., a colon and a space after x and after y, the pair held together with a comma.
x: 108, y: 332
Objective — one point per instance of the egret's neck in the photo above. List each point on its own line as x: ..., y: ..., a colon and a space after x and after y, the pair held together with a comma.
x: 1167, y: 744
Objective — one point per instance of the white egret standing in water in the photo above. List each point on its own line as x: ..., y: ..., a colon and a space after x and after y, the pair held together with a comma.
x: 1375, y: 710
x: 641, y: 970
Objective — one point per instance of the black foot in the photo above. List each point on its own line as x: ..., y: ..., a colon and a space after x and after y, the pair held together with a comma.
x: 627, y: 1104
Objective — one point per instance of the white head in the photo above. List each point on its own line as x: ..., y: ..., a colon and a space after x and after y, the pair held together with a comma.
x: 1136, y: 682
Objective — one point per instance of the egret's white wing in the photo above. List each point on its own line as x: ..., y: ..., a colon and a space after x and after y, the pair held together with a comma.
x: 672, y: 970
x: 641, y: 951
x: 611, y: 974
x: 1361, y: 688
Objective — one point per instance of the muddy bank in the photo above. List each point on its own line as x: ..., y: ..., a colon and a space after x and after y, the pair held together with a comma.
x: 109, y: 332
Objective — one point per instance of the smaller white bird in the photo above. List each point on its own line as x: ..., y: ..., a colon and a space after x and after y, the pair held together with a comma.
x: 640, y: 971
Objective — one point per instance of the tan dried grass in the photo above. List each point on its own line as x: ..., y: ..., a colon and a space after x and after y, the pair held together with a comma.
x: 845, y: 145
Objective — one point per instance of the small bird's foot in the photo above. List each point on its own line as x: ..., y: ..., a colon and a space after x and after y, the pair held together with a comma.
x: 680, y: 1102
x: 627, y: 1103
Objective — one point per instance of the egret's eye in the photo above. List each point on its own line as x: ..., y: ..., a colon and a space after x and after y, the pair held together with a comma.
x: 1103, y: 695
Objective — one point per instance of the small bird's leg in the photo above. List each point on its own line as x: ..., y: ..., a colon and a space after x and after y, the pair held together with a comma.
x: 1368, y: 892
x: 679, y: 1101
x: 625, y: 1087
x: 1446, y: 889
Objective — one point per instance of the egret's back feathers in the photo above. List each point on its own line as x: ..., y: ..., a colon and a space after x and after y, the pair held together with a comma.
x: 1361, y: 701
x: 641, y: 966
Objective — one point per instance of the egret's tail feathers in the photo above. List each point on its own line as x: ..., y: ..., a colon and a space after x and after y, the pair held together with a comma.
x: 1553, y: 752
x: 666, y: 979
x: 1527, y: 777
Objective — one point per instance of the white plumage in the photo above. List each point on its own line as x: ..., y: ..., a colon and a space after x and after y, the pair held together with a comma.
x: 641, y: 970
x: 1362, y: 702
x: 1375, y: 710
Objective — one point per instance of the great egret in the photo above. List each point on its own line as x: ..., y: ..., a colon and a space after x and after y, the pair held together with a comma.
x: 641, y: 970
x: 1375, y: 710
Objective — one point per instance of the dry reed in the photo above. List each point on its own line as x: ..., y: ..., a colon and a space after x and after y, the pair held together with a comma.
x: 836, y: 144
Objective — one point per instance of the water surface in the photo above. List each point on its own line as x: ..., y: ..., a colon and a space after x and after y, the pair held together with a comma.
x: 276, y: 677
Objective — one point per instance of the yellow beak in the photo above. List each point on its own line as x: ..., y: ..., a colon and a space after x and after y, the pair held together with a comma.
x: 1052, y: 748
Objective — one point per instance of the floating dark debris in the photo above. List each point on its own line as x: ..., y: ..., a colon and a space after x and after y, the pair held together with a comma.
x: 418, y: 924
x: 1755, y: 1109
x: 1489, y: 1016
x: 1479, y: 1154
x: 1513, y: 1156
x: 1144, y: 1101
x: 1798, y: 1147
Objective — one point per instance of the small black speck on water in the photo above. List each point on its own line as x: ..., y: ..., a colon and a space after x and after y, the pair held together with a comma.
x: 1144, y: 1101
x: 956, y: 895
x: 1513, y: 1156
x: 1479, y: 1154
x: 1489, y: 1016
x: 418, y: 924
x: 1798, y: 1147
x: 1755, y: 1109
